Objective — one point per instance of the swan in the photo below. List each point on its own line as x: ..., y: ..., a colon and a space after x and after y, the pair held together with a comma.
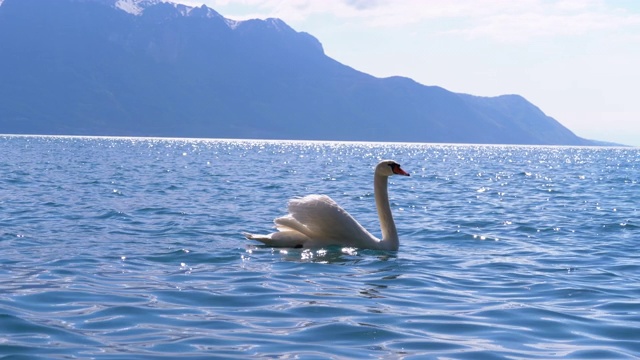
x: 316, y: 221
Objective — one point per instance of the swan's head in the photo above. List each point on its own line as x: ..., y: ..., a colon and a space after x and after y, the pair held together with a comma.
x: 390, y: 167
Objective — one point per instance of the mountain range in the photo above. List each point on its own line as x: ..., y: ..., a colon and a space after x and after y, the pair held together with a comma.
x: 153, y: 68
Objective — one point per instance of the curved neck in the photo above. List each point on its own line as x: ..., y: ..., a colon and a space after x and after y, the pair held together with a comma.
x: 388, y: 227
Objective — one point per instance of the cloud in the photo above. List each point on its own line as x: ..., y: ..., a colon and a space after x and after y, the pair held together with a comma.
x: 548, y: 19
x: 362, y: 4
x: 498, y: 20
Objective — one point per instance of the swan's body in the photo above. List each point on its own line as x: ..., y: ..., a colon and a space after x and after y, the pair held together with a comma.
x: 317, y: 221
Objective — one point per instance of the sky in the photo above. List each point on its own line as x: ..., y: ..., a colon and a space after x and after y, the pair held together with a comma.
x: 577, y: 60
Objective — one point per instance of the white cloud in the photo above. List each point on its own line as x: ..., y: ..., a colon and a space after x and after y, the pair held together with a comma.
x: 501, y: 20
x: 563, y: 18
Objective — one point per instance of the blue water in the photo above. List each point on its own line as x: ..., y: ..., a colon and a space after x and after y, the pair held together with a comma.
x: 132, y: 248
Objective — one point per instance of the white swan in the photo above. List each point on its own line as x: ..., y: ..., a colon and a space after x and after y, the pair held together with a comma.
x: 317, y: 221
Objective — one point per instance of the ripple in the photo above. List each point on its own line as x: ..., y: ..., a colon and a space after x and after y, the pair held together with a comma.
x: 540, y: 263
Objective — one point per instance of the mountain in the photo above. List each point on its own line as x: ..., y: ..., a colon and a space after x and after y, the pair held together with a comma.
x: 151, y: 68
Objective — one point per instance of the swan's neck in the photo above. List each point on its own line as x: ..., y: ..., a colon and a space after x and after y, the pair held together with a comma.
x: 388, y: 227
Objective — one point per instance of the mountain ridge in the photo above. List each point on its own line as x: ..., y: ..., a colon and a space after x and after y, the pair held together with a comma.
x: 153, y: 68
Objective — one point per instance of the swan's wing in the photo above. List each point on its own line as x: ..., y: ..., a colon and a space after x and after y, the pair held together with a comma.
x: 325, y: 222
x: 290, y: 234
x: 289, y: 223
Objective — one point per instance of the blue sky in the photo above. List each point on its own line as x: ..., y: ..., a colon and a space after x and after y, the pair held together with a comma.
x: 577, y: 60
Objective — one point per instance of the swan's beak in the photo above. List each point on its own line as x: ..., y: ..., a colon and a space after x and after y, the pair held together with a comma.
x: 398, y: 171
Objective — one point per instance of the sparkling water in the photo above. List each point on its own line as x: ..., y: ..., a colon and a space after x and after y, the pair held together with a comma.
x: 133, y: 248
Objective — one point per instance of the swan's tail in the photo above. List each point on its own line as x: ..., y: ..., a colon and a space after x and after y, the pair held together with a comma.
x: 255, y: 236
x: 291, y: 239
x: 265, y: 239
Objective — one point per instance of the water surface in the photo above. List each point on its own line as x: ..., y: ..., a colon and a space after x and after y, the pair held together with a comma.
x: 132, y: 248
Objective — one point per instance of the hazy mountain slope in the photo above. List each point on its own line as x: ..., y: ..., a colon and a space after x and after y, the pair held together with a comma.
x: 146, y: 68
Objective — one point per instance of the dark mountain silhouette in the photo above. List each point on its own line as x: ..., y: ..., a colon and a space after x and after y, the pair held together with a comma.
x: 147, y: 68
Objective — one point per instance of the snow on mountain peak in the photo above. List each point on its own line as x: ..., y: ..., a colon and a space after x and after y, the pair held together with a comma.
x: 134, y: 7
x: 137, y: 7
x: 129, y: 6
x: 232, y: 24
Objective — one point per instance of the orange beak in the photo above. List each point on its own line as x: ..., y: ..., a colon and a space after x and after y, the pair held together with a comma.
x: 398, y: 171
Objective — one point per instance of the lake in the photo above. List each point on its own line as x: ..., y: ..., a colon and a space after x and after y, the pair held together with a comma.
x: 120, y: 248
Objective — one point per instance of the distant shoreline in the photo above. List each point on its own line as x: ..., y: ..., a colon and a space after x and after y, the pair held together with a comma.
x: 302, y: 141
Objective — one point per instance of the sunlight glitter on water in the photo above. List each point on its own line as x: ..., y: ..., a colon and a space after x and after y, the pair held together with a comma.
x: 540, y: 264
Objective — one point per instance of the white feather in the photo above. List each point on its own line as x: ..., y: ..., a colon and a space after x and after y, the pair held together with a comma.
x: 317, y: 221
